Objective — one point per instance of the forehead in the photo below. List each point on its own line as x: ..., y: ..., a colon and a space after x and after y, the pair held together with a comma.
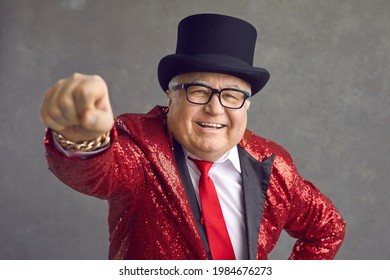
x: 212, y: 79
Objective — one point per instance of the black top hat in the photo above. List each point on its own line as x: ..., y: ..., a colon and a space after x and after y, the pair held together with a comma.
x: 214, y: 43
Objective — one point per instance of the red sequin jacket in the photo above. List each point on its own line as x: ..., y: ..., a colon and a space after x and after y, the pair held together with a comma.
x: 152, y: 211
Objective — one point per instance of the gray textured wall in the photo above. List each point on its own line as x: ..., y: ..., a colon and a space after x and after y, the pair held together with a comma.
x: 327, y: 102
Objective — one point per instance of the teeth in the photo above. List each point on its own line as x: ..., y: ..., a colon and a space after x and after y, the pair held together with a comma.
x: 213, y: 125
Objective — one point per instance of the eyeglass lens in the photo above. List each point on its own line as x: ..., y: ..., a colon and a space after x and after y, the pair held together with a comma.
x: 228, y: 97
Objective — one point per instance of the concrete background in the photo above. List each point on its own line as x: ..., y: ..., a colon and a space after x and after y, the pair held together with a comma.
x: 327, y: 102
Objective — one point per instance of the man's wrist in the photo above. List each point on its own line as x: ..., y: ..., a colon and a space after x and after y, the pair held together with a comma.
x: 82, y: 146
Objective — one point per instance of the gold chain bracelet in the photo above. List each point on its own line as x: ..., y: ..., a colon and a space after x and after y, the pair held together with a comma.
x: 84, y: 146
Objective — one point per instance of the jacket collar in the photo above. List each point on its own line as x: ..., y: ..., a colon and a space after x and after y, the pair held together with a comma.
x: 255, y: 180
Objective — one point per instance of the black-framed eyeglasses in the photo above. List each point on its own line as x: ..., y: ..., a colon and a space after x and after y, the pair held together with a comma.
x: 201, y: 94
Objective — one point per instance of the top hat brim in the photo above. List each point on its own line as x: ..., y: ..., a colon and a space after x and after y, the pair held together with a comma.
x: 175, y: 64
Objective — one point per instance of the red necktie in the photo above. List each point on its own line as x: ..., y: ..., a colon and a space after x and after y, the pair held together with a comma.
x: 212, y: 217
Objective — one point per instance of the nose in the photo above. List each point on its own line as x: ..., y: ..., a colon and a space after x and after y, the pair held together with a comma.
x: 214, y: 107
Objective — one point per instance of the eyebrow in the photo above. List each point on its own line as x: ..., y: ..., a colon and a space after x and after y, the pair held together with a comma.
x: 205, y: 83
x: 200, y: 81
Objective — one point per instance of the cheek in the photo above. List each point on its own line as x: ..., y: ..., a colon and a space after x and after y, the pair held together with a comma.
x: 179, y: 118
x: 239, y: 123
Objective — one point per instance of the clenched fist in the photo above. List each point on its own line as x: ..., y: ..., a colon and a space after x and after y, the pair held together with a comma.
x: 78, y: 107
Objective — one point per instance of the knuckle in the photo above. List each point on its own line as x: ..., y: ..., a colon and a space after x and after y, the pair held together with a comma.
x: 76, y: 76
x: 56, y: 85
x: 54, y: 113
x: 64, y: 104
x: 97, y: 78
x: 82, y: 92
x: 50, y: 91
x: 60, y: 82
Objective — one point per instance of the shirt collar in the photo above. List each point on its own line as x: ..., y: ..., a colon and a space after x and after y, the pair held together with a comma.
x: 231, y: 155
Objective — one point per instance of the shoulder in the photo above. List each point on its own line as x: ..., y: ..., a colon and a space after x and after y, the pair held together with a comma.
x: 262, y: 148
x: 137, y: 123
x: 144, y: 129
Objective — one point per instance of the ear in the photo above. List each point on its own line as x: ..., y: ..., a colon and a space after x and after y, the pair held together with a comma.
x: 248, y: 104
x: 169, y: 96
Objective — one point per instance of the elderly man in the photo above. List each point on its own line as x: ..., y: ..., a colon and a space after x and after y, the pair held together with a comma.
x: 189, y: 181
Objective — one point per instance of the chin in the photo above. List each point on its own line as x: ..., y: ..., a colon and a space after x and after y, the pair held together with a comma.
x: 212, y: 149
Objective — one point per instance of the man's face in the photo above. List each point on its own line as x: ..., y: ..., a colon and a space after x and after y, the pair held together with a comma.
x: 207, y: 131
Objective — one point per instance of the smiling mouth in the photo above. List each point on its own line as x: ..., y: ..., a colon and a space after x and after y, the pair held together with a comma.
x: 211, y: 125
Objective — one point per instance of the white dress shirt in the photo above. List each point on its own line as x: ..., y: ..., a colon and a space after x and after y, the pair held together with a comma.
x: 226, y: 175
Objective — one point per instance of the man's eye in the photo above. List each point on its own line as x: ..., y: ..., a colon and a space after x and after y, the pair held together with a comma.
x: 229, y: 96
x: 232, y: 95
x: 199, y: 92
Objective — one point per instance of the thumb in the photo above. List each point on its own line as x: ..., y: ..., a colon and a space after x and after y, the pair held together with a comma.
x: 97, y: 120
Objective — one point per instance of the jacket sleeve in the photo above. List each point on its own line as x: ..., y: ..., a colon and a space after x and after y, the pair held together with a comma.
x: 313, y: 220
x: 106, y: 175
